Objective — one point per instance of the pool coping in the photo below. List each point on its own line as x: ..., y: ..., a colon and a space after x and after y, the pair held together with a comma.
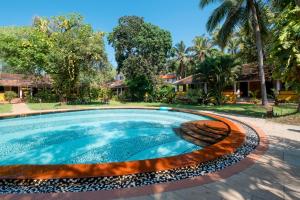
x: 224, y: 147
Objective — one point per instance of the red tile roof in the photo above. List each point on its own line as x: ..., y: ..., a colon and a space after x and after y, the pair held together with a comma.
x: 168, y: 76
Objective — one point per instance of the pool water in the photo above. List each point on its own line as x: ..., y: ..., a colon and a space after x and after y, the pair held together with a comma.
x: 95, y: 136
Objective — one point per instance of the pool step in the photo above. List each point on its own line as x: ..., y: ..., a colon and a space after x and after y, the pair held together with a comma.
x: 191, y: 138
x: 204, y: 133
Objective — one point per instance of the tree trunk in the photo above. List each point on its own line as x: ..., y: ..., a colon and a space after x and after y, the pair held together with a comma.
x: 299, y: 105
x: 297, y: 2
x: 260, y: 54
x: 182, y: 69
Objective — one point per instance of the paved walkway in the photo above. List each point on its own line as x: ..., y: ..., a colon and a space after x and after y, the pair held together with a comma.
x: 20, y: 108
x: 276, y: 175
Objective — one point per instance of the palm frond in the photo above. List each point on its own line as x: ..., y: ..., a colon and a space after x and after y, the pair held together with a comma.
x: 232, y: 21
x: 204, y: 3
x: 218, y: 15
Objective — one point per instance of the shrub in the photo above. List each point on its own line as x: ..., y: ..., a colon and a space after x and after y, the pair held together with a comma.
x: 45, y: 96
x: 164, y: 94
x: 194, y: 95
x: 10, y: 95
x: 254, y: 98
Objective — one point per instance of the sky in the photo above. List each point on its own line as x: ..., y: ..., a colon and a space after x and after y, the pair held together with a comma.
x: 182, y: 18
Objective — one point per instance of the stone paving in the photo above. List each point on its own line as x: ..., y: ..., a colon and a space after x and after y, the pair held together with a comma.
x: 276, y: 175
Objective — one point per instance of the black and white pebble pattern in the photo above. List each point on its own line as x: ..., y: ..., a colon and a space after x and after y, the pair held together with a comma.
x: 8, y: 186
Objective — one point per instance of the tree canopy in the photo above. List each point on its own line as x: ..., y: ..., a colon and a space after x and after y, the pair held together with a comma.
x: 63, y: 47
x: 141, y: 50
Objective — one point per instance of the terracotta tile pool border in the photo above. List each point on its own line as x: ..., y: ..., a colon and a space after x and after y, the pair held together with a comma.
x: 164, y: 187
x: 227, y: 146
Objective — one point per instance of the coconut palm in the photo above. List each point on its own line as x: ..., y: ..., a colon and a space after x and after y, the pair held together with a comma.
x: 237, y: 13
x: 202, y: 47
x: 219, y: 72
x: 233, y: 45
x: 181, y: 59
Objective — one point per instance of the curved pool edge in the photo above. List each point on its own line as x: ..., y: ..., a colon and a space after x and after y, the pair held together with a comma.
x: 247, y: 162
x: 222, y: 148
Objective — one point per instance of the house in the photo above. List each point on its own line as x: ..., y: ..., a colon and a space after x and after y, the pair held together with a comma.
x: 190, y: 82
x: 248, y: 82
x: 23, y: 85
x: 169, y: 78
x: 118, y: 86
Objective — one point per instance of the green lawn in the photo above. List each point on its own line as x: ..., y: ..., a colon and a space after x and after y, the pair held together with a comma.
x: 243, y: 109
x: 286, y: 109
x: 287, y: 112
x: 5, y: 108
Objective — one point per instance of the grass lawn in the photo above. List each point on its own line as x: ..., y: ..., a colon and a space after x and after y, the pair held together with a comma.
x: 250, y: 110
x: 5, y: 108
x: 50, y: 106
x: 243, y: 109
x: 285, y: 109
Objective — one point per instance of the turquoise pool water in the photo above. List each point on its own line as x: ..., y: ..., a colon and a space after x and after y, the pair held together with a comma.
x: 96, y: 136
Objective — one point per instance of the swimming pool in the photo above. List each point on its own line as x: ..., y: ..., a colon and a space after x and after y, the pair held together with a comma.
x: 94, y: 136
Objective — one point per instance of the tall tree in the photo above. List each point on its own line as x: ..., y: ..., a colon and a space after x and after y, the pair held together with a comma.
x: 63, y: 47
x: 285, y: 52
x: 141, y: 51
x: 238, y: 13
x: 202, y: 47
x: 181, y: 59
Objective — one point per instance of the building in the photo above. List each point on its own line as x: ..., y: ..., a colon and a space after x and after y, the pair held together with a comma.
x: 190, y: 82
x: 169, y: 78
x: 247, y: 82
x: 117, y: 87
x: 23, y: 85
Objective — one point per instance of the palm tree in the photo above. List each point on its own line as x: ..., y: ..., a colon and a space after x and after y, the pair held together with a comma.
x: 238, y: 13
x: 219, y: 72
x: 202, y: 47
x: 181, y: 59
x: 233, y: 45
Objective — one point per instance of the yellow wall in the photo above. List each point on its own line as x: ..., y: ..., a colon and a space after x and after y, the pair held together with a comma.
x: 287, y: 96
x: 2, y: 97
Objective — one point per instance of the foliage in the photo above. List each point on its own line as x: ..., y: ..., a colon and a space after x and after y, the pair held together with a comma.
x: 194, y: 95
x: 25, y: 49
x: 164, y: 94
x: 46, y: 96
x: 248, y: 14
x: 254, y: 95
x: 10, y: 95
x: 202, y: 47
x: 141, y: 50
x: 138, y: 86
x: 181, y: 60
x: 63, y: 47
x: 286, y: 48
x: 218, y: 72
x: 105, y: 93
